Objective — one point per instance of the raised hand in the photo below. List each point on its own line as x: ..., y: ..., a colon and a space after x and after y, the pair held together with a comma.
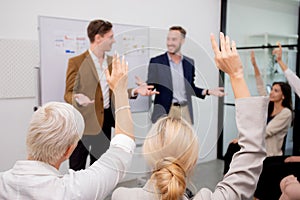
x: 118, y: 79
x: 228, y: 60
x: 253, y: 61
x: 278, y: 52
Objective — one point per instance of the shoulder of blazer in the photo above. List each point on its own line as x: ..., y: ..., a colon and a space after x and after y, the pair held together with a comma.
x: 285, y: 112
x: 81, y: 57
x: 188, y: 60
x: 160, y: 58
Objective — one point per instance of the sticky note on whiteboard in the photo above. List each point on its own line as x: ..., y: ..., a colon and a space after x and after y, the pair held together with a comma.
x: 69, y: 51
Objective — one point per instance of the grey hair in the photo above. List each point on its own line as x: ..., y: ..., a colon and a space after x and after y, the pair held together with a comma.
x: 53, y: 128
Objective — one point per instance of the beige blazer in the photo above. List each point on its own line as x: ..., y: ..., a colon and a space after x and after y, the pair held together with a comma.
x: 241, y: 179
x: 276, y: 130
x: 82, y: 78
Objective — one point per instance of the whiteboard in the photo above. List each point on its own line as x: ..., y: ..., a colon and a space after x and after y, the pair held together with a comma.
x: 61, y: 39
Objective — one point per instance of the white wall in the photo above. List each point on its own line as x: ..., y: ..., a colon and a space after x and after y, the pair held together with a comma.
x: 200, y: 17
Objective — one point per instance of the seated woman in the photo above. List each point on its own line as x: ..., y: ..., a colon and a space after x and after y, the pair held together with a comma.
x: 53, y: 134
x: 277, y: 167
x: 171, y: 147
x: 279, y: 112
x: 278, y: 119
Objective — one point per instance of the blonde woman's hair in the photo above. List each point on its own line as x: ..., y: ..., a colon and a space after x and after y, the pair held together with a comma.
x: 171, y: 149
x: 53, y: 128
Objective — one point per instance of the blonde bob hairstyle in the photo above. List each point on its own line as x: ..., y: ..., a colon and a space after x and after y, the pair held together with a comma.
x: 53, y: 128
x: 171, y: 149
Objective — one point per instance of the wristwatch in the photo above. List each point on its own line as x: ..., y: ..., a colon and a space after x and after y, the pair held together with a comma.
x: 207, y: 92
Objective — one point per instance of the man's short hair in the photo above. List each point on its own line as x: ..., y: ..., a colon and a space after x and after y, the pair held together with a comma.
x: 178, y: 28
x: 53, y: 128
x: 98, y: 27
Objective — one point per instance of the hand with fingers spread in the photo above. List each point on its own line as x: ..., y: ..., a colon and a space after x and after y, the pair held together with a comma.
x: 228, y: 60
x: 144, y: 89
x: 118, y: 79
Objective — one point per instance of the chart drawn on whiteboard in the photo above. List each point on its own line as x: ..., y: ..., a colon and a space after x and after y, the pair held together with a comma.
x: 70, y: 43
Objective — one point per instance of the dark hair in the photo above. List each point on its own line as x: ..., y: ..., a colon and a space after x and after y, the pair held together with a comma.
x: 287, y: 93
x: 178, y: 28
x: 98, y: 27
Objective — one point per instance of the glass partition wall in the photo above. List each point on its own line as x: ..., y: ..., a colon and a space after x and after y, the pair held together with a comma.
x: 257, y: 25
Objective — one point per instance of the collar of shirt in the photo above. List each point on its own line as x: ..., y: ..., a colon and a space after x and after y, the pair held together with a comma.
x: 27, y: 167
x: 96, y: 60
x: 170, y: 59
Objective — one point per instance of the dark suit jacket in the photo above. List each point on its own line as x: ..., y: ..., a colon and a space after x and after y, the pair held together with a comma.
x: 159, y: 75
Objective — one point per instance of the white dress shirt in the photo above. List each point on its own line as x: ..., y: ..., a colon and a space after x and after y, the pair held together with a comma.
x: 30, y: 179
x: 102, y: 78
x: 178, y: 81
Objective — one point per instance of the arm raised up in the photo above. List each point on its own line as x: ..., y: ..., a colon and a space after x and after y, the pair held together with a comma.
x: 292, y: 78
x: 228, y: 60
x: 118, y: 81
x: 241, y: 179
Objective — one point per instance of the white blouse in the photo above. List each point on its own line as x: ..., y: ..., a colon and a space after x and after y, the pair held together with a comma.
x: 30, y: 179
